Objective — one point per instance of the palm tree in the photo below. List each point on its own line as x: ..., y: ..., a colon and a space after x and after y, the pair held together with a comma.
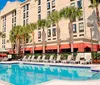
x: 16, y: 33
x: 95, y: 4
x: 55, y: 17
x: 71, y: 13
x: 32, y: 27
x: 41, y: 25
x: 12, y: 38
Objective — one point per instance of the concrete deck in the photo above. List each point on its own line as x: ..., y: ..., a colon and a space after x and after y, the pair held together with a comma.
x: 62, y: 82
x: 4, y: 83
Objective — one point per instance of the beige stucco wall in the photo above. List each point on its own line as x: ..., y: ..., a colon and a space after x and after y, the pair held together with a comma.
x: 33, y: 17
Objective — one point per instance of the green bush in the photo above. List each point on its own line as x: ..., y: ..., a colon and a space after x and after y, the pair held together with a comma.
x: 64, y: 55
x: 96, y: 55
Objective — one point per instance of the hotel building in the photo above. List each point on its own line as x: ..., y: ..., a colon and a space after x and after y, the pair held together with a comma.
x: 30, y: 11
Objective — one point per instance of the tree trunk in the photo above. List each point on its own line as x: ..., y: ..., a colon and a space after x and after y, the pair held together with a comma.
x: 12, y: 45
x: 18, y: 46
x: 58, y: 39
x: 71, y: 37
x: 23, y: 45
x: 43, y: 40
x: 33, y: 42
x: 97, y: 14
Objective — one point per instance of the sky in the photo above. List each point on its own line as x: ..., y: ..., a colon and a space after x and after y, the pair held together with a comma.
x: 3, y: 3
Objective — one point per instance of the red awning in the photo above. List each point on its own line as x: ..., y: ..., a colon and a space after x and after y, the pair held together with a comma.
x: 64, y: 46
x: 87, y: 45
x: 3, y: 55
x: 10, y: 52
x: 54, y: 47
x: 28, y: 49
x: 38, y: 48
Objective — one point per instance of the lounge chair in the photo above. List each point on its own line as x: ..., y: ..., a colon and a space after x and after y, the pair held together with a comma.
x: 5, y: 59
x: 32, y: 58
x: 24, y: 58
x: 50, y: 59
x: 77, y: 60
x: 69, y: 58
x: 38, y: 59
x: 43, y: 58
x: 29, y: 58
x: 88, y: 58
x: 58, y: 59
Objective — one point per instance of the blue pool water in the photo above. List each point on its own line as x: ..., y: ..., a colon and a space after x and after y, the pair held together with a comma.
x: 34, y: 74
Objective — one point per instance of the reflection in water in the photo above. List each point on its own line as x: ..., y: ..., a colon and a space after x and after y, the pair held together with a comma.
x: 31, y: 74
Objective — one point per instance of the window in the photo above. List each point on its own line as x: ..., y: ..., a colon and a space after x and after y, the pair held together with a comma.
x: 54, y: 32
x: 3, y: 42
x: 79, y: 4
x: 48, y: 5
x: 81, y: 27
x: 3, y: 46
x: 25, y: 14
x: 49, y: 32
x: 48, y: 13
x: 53, y: 3
x: 23, y: 22
x: 39, y: 2
x: 4, y: 24
x: 73, y: 4
x: 27, y: 7
x: 71, y: 0
x: 27, y: 40
x: 81, y: 35
x: 39, y: 9
x: 39, y: 34
x: 74, y: 28
x: 53, y: 10
x: 13, y: 18
x: 39, y: 17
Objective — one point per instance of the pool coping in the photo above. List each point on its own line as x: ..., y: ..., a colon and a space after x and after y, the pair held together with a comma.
x: 94, y: 67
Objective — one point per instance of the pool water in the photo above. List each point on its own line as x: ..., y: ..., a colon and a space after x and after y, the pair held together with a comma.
x: 34, y: 74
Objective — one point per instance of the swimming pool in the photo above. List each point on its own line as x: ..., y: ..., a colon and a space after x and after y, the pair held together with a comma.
x: 34, y: 74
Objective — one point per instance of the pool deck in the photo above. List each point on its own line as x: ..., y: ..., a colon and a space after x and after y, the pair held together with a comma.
x: 95, y: 67
x: 4, y: 83
x: 63, y: 82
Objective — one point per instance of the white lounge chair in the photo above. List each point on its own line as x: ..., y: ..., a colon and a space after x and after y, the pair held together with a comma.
x: 50, y: 59
x: 69, y: 58
x: 24, y: 58
x: 88, y: 58
x: 32, y: 58
x: 77, y: 60
x: 43, y: 58
x: 58, y: 59
x: 38, y: 58
x: 5, y: 59
x: 29, y: 58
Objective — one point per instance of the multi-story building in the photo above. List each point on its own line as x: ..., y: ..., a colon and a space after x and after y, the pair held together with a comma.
x: 30, y: 11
